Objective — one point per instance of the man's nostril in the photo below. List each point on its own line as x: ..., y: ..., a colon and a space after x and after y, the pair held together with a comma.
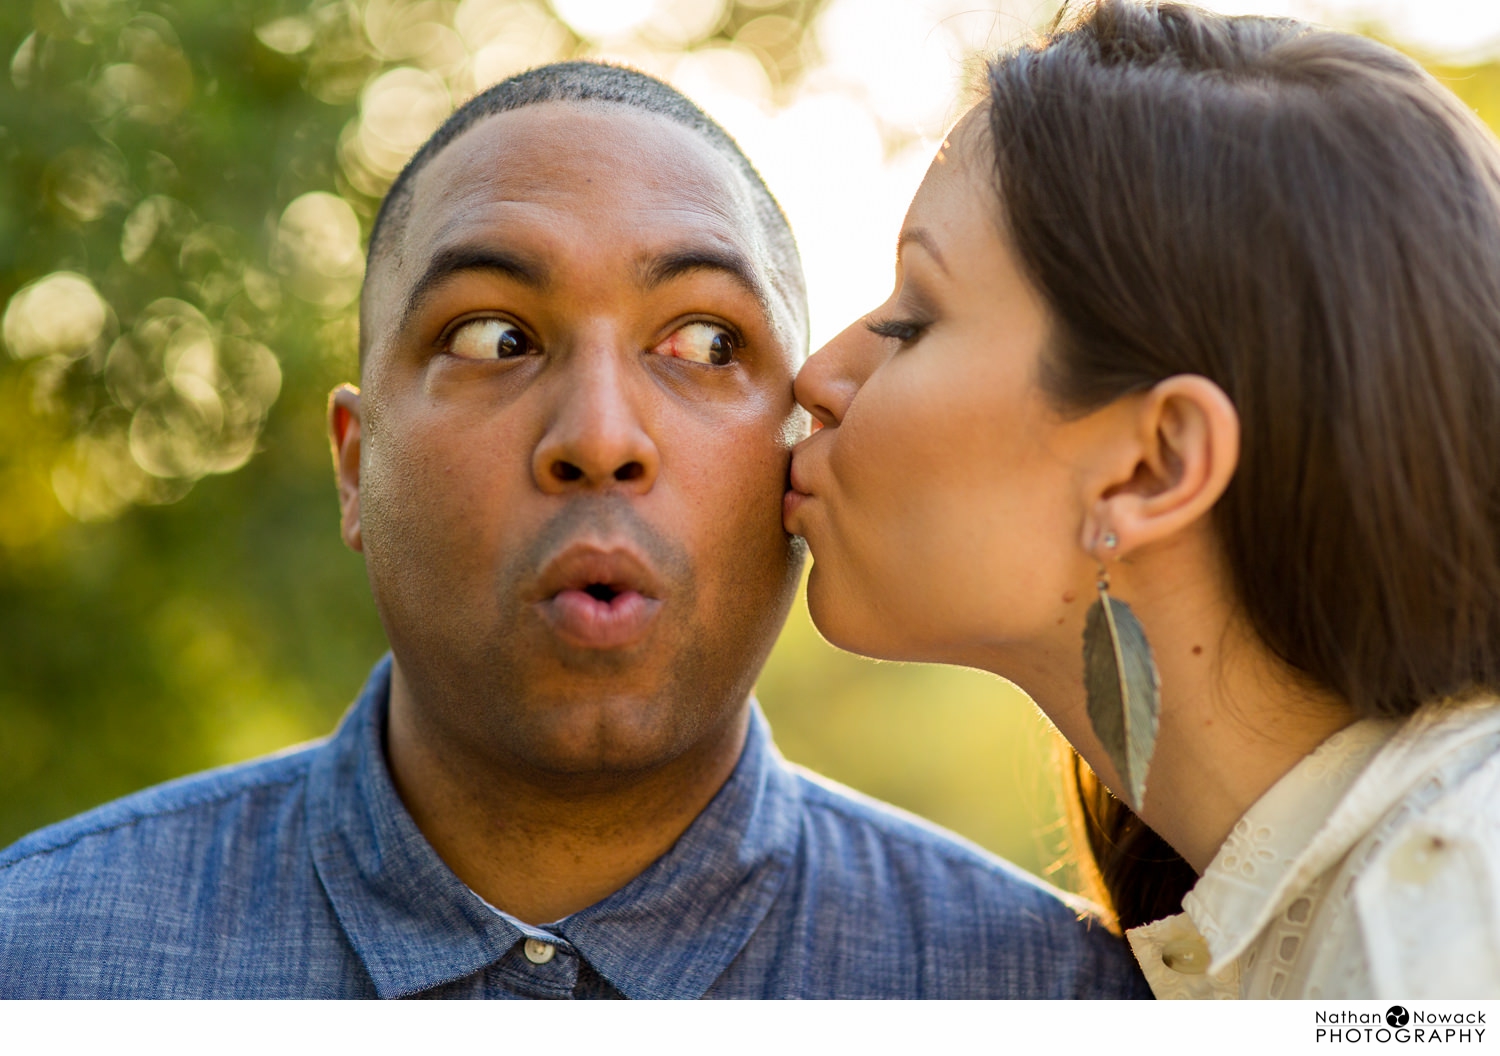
x: 565, y: 471
x: 630, y: 471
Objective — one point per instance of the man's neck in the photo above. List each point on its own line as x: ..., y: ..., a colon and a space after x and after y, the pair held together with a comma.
x: 543, y: 849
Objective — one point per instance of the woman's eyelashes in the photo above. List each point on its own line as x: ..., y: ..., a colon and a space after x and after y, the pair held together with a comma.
x: 488, y: 339
x: 700, y: 342
x: 904, y: 331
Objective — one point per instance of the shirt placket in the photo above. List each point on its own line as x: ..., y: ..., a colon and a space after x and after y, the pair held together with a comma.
x: 539, y: 965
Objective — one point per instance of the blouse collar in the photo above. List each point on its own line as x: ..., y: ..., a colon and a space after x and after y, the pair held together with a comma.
x: 1281, y: 842
x: 1320, y: 809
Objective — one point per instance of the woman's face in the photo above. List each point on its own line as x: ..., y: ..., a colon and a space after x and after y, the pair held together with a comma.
x: 940, y: 496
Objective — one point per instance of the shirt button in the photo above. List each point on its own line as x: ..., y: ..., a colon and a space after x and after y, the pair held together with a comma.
x: 1186, y: 955
x: 539, y: 952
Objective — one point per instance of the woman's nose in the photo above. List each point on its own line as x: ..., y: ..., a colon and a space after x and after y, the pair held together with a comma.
x: 831, y: 378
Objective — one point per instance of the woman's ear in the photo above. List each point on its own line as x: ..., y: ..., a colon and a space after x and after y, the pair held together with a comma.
x: 344, y: 431
x: 1184, y: 447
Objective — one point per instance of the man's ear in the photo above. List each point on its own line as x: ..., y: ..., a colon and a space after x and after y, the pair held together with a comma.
x: 343, y: 430
x: 1182, y: 452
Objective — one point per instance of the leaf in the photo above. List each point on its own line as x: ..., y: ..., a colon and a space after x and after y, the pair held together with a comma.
x: 1119, y: 676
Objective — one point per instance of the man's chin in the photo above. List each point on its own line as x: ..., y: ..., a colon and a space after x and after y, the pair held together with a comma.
x: 530, y: 702
x: 610, y: 738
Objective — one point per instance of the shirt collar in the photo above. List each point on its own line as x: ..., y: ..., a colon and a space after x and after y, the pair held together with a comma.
x: 669, y: 933
x: 1320, y: 809
x: 672, y: 931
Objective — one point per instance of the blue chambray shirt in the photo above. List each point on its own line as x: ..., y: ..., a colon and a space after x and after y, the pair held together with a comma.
x: 302, y: 875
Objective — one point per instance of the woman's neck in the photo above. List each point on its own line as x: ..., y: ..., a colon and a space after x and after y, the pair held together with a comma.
x: 1234, y: 719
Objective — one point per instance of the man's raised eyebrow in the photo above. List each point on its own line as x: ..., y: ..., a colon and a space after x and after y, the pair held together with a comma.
x: 921, y: 237
x: 455, y: 260
x: 737, y: 266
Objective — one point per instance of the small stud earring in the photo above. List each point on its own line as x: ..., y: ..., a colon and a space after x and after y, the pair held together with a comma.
x: 1111, y: 540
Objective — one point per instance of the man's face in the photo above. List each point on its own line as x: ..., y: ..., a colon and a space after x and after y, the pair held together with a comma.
x: 574, y: 435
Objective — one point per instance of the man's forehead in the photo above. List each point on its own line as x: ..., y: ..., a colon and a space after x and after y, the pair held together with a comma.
x: 554, y: 186
x: 614, y: 165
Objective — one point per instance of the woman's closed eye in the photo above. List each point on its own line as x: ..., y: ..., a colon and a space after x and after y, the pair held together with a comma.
x: 489, y: 339
x: 700, y: 342
x: 904, y: 331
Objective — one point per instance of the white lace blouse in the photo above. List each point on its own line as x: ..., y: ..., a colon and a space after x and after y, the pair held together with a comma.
x: 1371, y: 870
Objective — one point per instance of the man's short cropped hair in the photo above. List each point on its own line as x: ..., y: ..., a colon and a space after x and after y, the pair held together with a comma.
x: 596, y: 82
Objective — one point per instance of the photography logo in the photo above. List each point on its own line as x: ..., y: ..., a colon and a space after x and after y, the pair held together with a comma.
x: 1399, y: 1025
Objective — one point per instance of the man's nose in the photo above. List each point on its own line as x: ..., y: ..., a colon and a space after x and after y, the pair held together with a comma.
x: 595, y: 437
x: 832, y: 376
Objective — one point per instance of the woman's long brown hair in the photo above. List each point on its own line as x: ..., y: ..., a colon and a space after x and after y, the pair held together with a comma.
x: 1312, y: 222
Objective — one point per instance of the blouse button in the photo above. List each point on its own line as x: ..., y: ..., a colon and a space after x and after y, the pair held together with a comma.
x: 539, y: 952
x: 1187, y: 955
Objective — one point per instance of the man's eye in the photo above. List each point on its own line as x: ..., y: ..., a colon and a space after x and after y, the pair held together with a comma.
x: 489, y: 339
x: 701, y: 343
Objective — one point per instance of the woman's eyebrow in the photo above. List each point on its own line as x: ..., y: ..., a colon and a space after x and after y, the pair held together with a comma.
x: 455, y: 260
x: 921, y: 237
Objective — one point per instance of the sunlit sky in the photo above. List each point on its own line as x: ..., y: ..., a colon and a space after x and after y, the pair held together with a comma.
x: 846, y: 152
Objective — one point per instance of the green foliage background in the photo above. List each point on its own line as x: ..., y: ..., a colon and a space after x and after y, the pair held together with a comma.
x: 153, y: 623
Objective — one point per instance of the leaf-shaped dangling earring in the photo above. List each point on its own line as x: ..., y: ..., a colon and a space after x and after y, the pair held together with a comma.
x: 1119, y: 677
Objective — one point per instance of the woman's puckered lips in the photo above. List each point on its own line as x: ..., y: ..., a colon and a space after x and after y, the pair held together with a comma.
x: 798, y: 491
